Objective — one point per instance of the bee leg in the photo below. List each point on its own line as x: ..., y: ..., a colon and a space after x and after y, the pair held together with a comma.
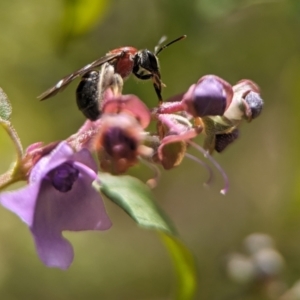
x: 109, y: 79
x: 157, y: 88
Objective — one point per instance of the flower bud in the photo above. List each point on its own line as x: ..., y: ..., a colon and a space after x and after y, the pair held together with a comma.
x: 209, y: 97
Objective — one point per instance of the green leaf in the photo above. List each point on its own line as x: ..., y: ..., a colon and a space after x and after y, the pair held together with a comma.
x: 5, y: 106
x: 185, y: 267
x: 80, y: 16
x: 136, y: 199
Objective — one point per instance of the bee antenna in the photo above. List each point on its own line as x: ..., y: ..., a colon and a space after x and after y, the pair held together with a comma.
x: 158, y: 50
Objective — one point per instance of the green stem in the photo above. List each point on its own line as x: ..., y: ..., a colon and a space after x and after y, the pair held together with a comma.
x: 8, y: 178
x: 15, y: 138
x: 16, y: 172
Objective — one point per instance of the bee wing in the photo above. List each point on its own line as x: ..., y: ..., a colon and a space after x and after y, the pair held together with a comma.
x: 161, y: 40
x: 60, y: 85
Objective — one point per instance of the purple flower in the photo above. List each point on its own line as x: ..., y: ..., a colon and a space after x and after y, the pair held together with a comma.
x: 211, y: 96
x: 59, y: 196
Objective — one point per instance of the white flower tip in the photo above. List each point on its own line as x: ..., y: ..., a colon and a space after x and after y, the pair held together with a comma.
x: 152, y: 183
x: 224, y: 191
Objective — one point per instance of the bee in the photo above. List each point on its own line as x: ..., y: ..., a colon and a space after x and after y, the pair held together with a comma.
x: 115, y: 66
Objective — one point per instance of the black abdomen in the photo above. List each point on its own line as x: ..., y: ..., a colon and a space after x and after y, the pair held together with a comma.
x: 87, y: 95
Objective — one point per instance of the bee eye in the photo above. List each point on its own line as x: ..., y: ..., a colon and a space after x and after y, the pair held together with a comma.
x: 152, y: 61
x: 147, y: 61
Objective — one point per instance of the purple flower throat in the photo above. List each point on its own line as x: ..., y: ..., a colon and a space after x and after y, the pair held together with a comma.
x: 63, y: 177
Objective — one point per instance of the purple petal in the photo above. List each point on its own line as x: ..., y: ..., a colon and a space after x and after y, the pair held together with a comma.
x: 84, y: 156
x: 21, y: 202
x: 79, y: 209
x: 53, y: 249
x: 209, y: 98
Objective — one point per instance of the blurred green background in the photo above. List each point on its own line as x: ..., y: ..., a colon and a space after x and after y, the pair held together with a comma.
x: 41, y: 41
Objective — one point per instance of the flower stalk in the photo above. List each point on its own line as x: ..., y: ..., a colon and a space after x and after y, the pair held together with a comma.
x: 16, y: 173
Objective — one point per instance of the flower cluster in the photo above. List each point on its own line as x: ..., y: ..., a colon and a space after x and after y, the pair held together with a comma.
x: 59, y: 194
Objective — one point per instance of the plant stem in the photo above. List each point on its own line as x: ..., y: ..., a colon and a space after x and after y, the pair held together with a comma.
x: 14, y: 137
x: 16, y: 172
x: 7, y: 179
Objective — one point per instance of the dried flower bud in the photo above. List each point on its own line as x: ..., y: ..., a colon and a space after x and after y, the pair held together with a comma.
x: 119, y: 143
x: 209, y: 97
x: 225, y: 139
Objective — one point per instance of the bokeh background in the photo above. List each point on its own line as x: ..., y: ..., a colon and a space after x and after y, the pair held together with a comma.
x: 41, y: 41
